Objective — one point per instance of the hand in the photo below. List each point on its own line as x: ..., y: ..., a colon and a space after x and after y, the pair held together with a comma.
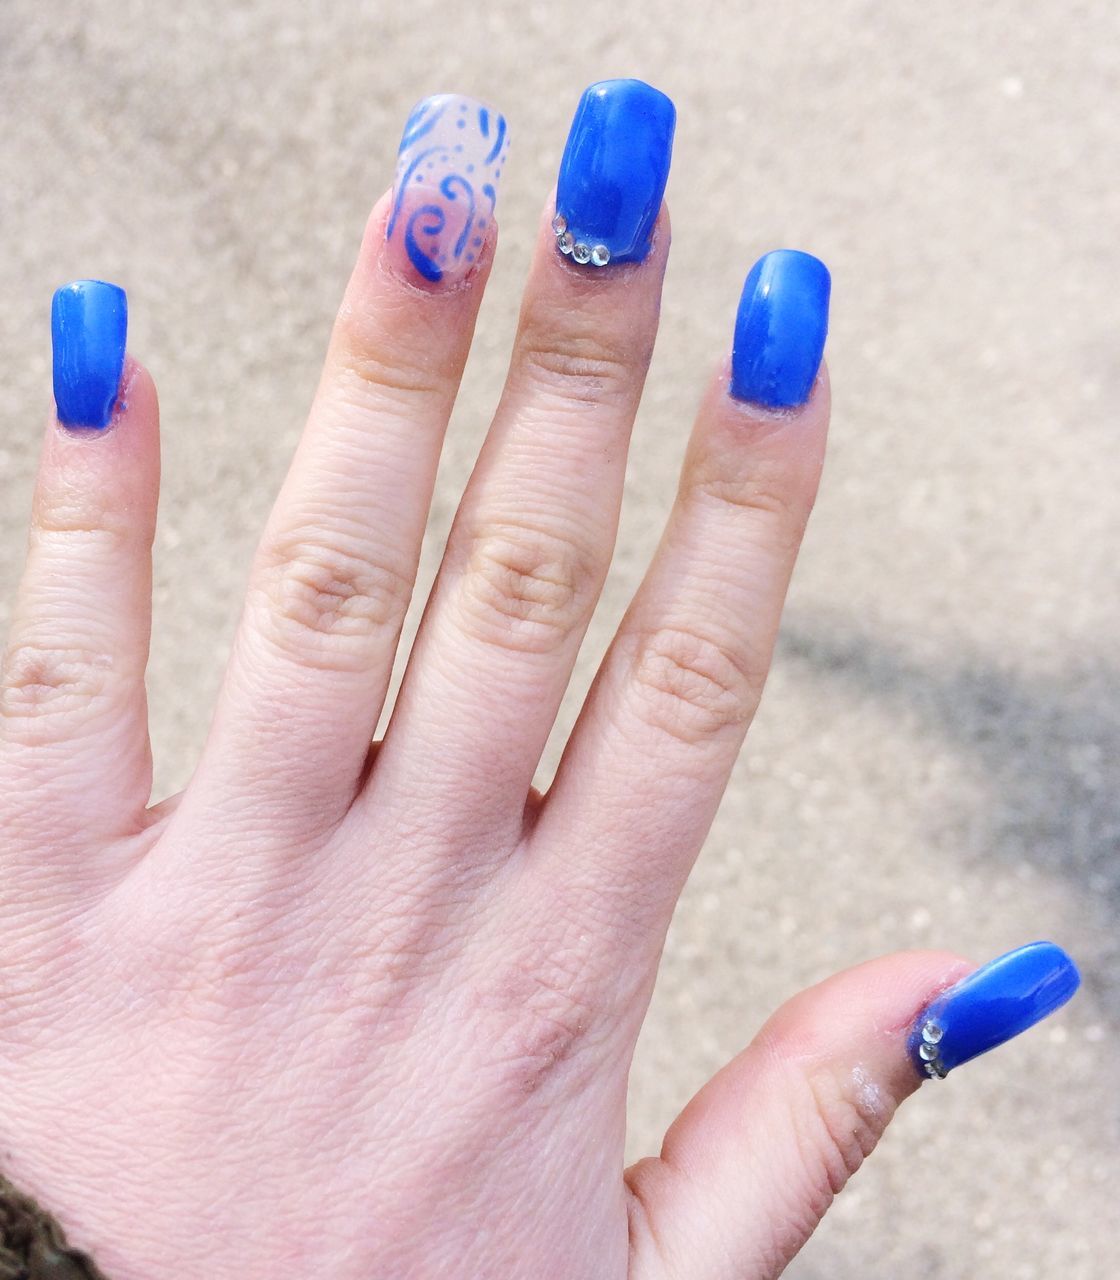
x: 348, y: 1013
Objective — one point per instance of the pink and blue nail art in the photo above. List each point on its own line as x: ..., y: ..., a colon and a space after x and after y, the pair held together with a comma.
x: 613, y: 173
x: 89, y: 327
x: 449, y: 166
x: 1000, y: 1000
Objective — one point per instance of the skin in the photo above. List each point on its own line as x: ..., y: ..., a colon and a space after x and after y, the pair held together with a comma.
x: 359, y: 1013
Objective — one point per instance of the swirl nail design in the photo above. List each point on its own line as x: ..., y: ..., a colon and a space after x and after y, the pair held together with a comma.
x: 449, y: 166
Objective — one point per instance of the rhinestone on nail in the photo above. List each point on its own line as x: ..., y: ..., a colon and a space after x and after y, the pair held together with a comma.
x: 559, y: 224
x: 600, y: 255
x: 565, y: 242
x: 929, y: 1052
x: 582, y: 252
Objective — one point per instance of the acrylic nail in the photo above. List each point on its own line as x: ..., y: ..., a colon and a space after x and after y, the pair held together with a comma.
x: 89, y: 325
x: 613, y: 174
x: 991, y: 1006
x: 449, y: 167
x: 780, y: 330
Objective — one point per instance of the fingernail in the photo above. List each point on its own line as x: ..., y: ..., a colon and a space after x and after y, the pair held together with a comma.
x: 89, y: 324
x: 992, y: 1005
x: 613, y: 173
x: 780, y: 329
x: 448, y: 169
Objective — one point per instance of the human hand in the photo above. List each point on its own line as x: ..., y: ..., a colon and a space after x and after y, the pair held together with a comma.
x: 334, y: 1012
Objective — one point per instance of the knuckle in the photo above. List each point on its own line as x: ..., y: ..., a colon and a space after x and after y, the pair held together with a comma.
x: 691, y: 688
x: 69, y: 517
x: 526, y: 589
x: 760, y: 496
x: 325, y: 600
x: 580, y: 367
x: 44, y: 681
x: 839, y: 1123
x: 368, y: 368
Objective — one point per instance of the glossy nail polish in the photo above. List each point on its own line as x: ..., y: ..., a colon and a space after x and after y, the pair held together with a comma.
x: 990, y: 1006
x: 780, y: 329
x: 613, y: 173
x: 448, y: 169
x: 89, y: 325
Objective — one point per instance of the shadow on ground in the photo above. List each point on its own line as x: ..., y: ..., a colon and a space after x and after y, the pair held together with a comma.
x: 1045, y: 748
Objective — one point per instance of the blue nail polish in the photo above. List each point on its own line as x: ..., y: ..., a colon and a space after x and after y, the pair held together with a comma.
x: 780, y: 329
x: 992, y: 1005
x: 613, y: 173
x: 89, y: 323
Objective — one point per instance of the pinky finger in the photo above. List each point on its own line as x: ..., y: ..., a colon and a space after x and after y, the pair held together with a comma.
x: 74, y: 753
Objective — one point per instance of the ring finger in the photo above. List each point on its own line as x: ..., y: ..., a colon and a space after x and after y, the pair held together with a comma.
x: 650, y: 756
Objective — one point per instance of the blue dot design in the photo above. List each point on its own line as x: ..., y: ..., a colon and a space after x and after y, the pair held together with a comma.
x: 455, y: 206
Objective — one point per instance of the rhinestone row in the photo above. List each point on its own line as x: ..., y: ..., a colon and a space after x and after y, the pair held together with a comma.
x: 929, y: 1053
x: 598, y: 255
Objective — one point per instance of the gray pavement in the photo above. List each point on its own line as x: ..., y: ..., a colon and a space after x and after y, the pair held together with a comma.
x: 935, y: 759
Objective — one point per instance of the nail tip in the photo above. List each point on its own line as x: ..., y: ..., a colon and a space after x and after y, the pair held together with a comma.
x: 1066, y: 977
x: 631, y: 86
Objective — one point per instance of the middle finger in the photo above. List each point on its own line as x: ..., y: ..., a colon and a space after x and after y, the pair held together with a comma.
x: 533, y: 537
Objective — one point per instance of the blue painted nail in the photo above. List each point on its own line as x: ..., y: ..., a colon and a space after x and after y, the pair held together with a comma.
x: 449, y: 166
x: 613, y: 173
x: 992, y: 1005
x: 89, y: 323
x: 780, y: 329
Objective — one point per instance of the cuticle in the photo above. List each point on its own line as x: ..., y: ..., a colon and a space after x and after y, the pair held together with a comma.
x: 596, y: 277
x: 439, y: 288
x: 777, y: 414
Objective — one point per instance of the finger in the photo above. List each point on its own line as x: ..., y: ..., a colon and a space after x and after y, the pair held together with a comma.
x: 74, y: 747
x: 650, y: 756
x: 753, y: 1162
x: 533, y: 538
x: 335, y: 570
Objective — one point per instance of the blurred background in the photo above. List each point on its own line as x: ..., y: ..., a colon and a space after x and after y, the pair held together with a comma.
x: 935, y: 760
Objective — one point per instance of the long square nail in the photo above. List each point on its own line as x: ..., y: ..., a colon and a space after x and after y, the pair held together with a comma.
x: 448, y: 169
x: 992, y: 1005
x: 613, y: 174
x: 89, y: 326
x: 780, y: 330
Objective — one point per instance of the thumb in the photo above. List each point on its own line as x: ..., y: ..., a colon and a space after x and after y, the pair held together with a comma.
x: 752, y: 1163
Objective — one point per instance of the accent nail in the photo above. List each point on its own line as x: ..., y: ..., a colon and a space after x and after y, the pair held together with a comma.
x: 990, y: 1006
x: 780, y: 329
x: 448, y: 169
x: 89, y: 325
x: 613, y: 173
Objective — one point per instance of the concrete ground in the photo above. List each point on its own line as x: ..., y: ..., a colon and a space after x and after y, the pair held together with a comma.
x: 935, y: 759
